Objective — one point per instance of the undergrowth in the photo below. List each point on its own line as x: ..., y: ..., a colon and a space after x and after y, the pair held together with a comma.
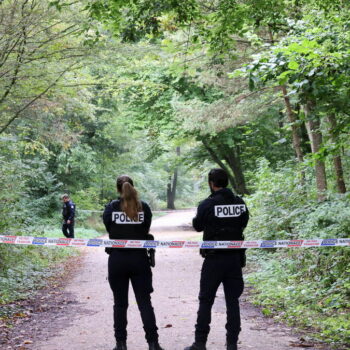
x: 25, y: 269
x: 307, y: 287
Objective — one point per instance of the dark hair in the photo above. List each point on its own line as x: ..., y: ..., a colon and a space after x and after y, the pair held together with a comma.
x: 219, y: 177
x: 130, y: 203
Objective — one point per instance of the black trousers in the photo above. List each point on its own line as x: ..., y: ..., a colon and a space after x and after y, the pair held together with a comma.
x: 124, y: 266
x: 68, y: 229
x: 225, y: 268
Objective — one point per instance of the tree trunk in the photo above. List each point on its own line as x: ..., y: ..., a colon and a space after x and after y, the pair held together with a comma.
x: 292, y: 119
x: 295, y: 134
x: 170, y: 193
x: 234, y: 162
x: 305, y: 141
x: 220, y: 163
x: 172, y: 184
x: 337, y: 162
x: 315, y: 136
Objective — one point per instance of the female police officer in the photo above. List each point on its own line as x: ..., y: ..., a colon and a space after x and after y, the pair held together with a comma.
x: 129, y: 218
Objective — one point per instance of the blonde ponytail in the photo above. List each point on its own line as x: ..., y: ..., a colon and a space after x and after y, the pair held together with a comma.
x: 130, y: 203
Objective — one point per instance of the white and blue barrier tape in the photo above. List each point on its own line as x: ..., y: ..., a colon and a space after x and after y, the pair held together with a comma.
x: 98, y: 242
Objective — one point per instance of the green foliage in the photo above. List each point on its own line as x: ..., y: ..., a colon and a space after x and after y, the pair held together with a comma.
x: 133, y: 20
x: 25, y: 269
x: 33, y: 62
x: 305, y: 287
x: 77, y: 166
x: 28, y: 190
x: 308, y: 288
x: 112, y: 87
x: 313, y: 60
x: 22, y: 270
x: 284, y: 209
x: 87, y: 198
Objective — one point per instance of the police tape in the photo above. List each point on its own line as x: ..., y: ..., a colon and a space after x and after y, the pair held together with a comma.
x: 110, y: 243
x: 153, y: 211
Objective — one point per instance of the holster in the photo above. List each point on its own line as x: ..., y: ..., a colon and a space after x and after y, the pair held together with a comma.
x: 206, y: 252
x: 151, y: 252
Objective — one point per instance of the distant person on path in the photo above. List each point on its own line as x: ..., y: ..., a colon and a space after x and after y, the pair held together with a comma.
x: 68, y: 213
x: 129, y: 218
x: 223, y: 217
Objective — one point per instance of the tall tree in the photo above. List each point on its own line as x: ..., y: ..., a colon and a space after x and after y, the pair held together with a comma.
x: 40, y: 47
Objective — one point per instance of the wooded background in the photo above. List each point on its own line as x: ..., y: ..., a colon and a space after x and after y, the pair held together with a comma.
x: 164, y: 91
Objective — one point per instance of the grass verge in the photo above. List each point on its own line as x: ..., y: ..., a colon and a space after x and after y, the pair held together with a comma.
x: 25, y: 269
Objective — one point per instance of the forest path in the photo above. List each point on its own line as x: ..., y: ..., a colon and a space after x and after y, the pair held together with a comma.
x: 85, y: 321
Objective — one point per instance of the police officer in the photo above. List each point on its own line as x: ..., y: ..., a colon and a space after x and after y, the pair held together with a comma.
x: 68, y: 213
x: 223, y: 217
x: 129, y: 218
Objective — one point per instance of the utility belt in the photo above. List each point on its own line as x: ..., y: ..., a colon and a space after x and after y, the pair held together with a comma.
x: 224, y: 234
x: 110, y: 250
x: 206, y: 253
x: 151, y: 252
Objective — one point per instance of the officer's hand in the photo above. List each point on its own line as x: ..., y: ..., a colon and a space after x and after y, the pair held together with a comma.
x: 68, y: 222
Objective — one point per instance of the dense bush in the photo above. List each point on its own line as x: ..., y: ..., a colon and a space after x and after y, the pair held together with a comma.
x: 307, y: 287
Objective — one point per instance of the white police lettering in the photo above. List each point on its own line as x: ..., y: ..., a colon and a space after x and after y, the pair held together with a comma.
x: 119, y: 217
x: 229, y: 211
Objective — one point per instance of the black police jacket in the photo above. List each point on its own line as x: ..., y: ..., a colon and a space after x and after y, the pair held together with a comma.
x: 120, y: 226
x: 68, y: 211
x: 222, y: 216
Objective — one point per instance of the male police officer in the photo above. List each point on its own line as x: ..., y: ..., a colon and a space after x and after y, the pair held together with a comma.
x: 223, y: 217
x: 68, y: 213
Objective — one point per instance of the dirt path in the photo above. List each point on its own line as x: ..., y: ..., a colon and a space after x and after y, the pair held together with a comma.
x: 84, y: 321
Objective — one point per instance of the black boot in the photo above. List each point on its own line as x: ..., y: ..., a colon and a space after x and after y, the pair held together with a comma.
x: 232, y: 347
x: 121, y: 345
x: 196, y: 346
x: 154, y: 346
